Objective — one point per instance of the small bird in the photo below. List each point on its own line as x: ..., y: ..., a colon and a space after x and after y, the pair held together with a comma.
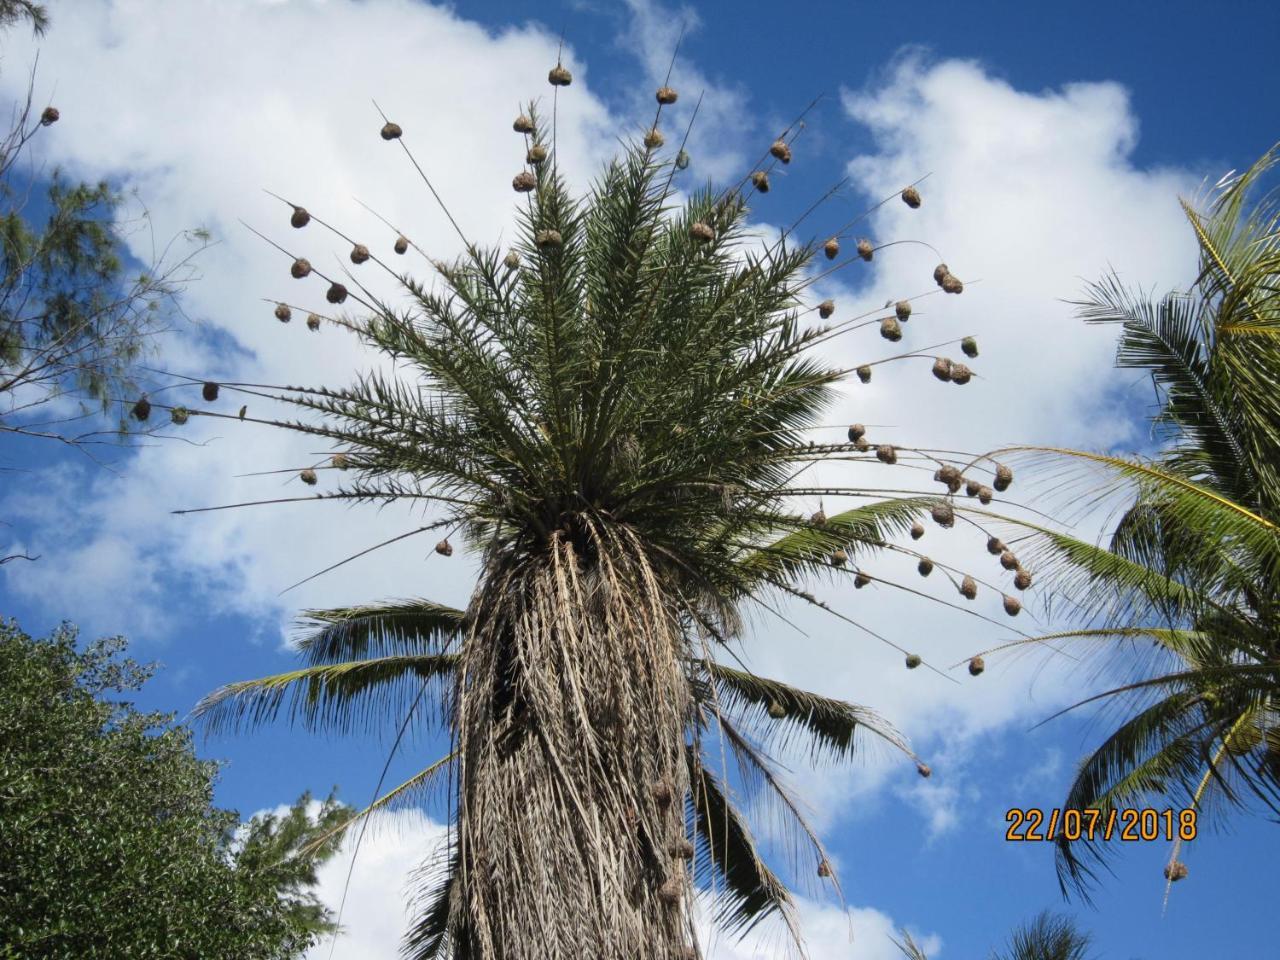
x: 243, y: 411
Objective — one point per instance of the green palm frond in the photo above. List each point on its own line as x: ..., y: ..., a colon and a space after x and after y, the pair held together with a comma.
x: 333, y: 696
x: 1047, y: 937
x: 746, y: 890
x: 396, y: 626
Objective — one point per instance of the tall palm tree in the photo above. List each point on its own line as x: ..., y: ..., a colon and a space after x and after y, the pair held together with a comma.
x: 613, y: 414
x: 1191, y: 574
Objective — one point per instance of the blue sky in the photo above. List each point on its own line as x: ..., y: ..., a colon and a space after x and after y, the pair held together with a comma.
x: 1057, y: 139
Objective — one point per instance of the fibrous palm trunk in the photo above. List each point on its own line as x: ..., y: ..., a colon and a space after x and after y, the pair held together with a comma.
x: 571, y: 720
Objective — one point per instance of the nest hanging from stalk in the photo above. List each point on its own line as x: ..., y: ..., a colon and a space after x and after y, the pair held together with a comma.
x: 671, y: 891
x: 826, y: 308
x: 839, y: 558
x: 666, y: 96
x: 925, y: 566
x: 402, y: 244
x: 780, y: 150
x: 179, y: 415
x: 308, y: 476
x: 339, y: 461
x: 1012, y: 605
x: 444, y: 548
x: 209, y: 391
x: 890, y: 329
x: 969, y: 347
x: 860, y: 580
x: 917, y: 530
x: 536, y: 154
x: 663, y: 793
x: 760, y: 180
x: 682, y: 160
x: 856, y: 431
x: 682, y: 849
x: 300, y: 217
x: 301, y: 268
x: 865, y: 250
x: 511, y: 260
x: 971, y: 488
x: 49, y: 116
x: 824, y: 868
x: 777, y: 710
x: 522, y: 124
x: 283, y: 313
x: 702, y: 232
x: 976, y: 666
x: 914, y: 660
x: 559, y: 76
x: 864, y: 373
x: 359, y: 253
x: 924, y: 770
x: 523, y: 182
x: 862, y: 444
x: 549, y: 240
x: 968, y: 587
x: 1008, y: 560
x: 831, y: 248
x: 960, y: 374
x: 911, y: 197
x: 391, y: 131
x: 902, y: 310
x: 951, y: 284
x: 819, y: 519
x: 950, y: 475
x: 313, y: 322
x: 939, y: 272
x: 1175, y: 871
x: 985, y: 494
x: 1022, y: 579
x: 943, y: 515
x: 886, y: 453
x: 336, y: 293
x: 654, y: 139
x: 142, y: 409
x: 942, y: 369
x: 995, y: 546
x: 1004, y: 477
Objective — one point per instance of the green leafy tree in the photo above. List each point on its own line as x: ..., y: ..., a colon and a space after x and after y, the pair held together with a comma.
x: 1186, y: 593
x: 613, y: 414
x: 112, y: 844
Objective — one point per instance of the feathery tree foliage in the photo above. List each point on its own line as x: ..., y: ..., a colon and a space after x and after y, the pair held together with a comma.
x: 75, y: 321
x: 112, y: 845
x: 1191, y: 574
x: 613, y: 414
x: 1047, y: 937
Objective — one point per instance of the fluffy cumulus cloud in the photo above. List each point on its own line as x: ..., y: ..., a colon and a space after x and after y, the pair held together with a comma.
x: 395, y: 846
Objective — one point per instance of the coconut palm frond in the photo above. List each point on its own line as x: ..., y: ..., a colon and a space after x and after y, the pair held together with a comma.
x: 1047, y: 937
x: 433, y: 935
x: 396, y: 626
x: 910, y: 949
x: 746, y: 890
x: 336, y: 696
x: 830, y: 726
x: 414, y: 792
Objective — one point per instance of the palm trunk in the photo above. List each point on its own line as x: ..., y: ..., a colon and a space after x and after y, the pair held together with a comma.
x: 571, y: 724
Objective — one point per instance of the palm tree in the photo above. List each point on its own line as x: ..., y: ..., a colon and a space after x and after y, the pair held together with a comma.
x: 1047, y: 937
x: 613, y: 415
x: 1191, y: 573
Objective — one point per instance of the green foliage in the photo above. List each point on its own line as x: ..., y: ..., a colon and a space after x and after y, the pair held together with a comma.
x: 1047, y: 937
x: 1193, y: 565
x: 112, y: 844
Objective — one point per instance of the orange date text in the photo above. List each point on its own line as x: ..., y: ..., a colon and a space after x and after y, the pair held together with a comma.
x: 1129, y: 824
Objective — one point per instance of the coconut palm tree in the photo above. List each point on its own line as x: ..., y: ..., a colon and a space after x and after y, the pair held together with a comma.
x: 612, y: 415
x: 1187, y: 591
